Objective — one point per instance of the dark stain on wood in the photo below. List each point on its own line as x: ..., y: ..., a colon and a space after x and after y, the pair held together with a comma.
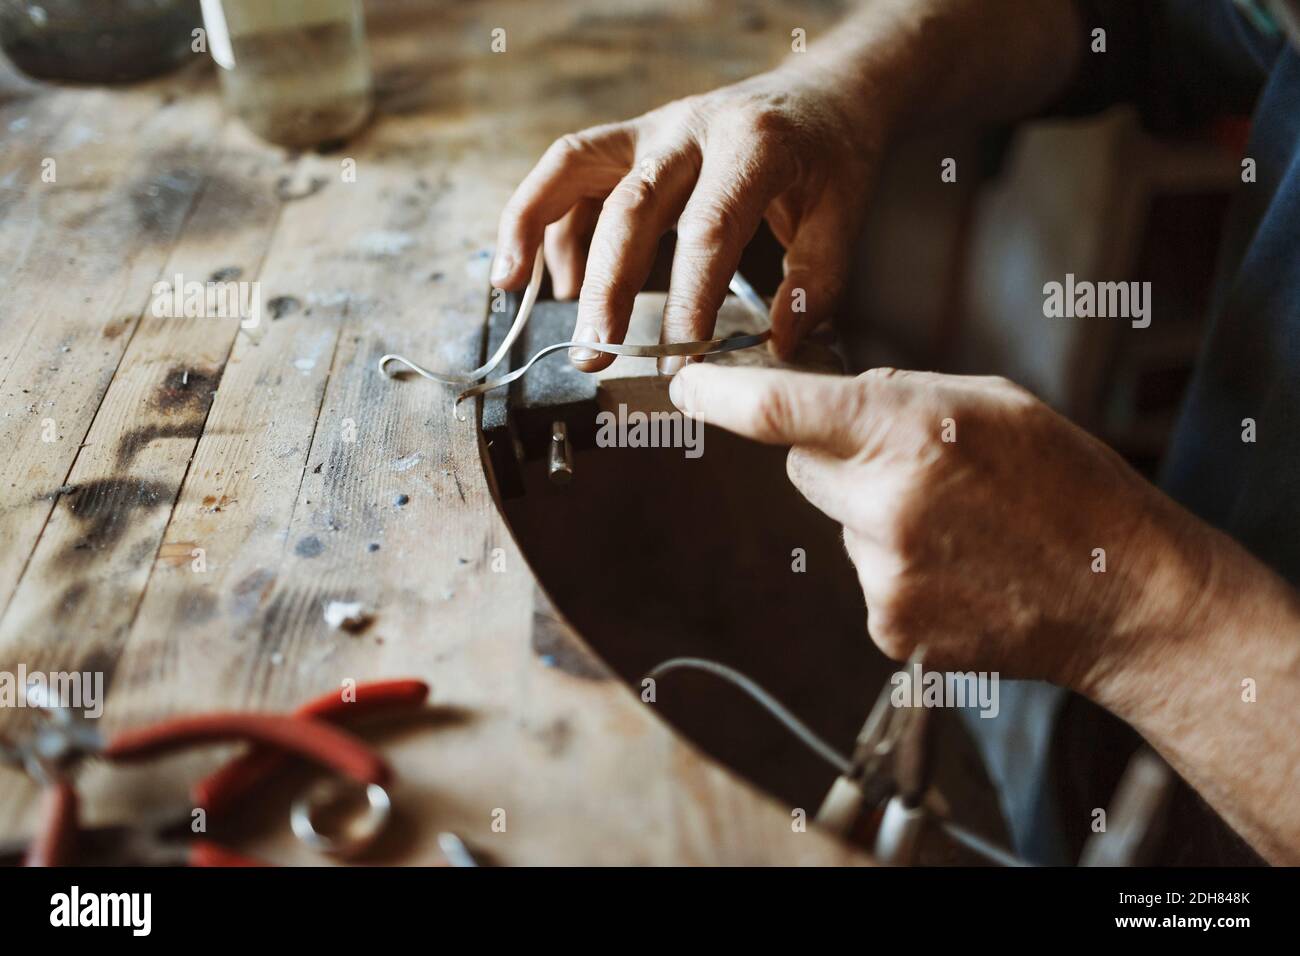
x: 230, y: 204
x: 251, y: 591
x: 72, y: 596
x: 160, y: 197
x: 184, y: 397
x: 157, y: 202
x: 134, y: 441
x: 117, y: 326
x: 103, y: 509
x: 556, y: 645
x: 280, y: 616
x: 186, y: 390
x: 308, y: 547
x: 283, y: 305
x: 196, y: 606
x: 143, y: 552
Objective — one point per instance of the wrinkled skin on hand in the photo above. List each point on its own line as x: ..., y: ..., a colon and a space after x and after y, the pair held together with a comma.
x: 781, y: 146
x: 976, y: 517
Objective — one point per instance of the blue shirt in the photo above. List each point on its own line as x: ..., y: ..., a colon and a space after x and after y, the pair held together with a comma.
x: 1183, y: 62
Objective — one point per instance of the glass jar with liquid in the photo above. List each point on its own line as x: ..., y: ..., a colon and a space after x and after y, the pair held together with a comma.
x: 295, y: 71
x: 97, y: 41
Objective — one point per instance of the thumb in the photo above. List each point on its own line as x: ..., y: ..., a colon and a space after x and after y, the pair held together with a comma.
x: 773, y: 405
x: 816, y: 273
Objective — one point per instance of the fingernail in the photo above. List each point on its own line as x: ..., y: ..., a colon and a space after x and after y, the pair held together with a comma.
x: 584, y: 334
x: 677, y: 393
x: 671, y: 364
x: 502, y: 266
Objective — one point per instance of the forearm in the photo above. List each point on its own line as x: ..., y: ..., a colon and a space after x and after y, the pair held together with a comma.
x: 913, y: 64
x: 1220, y: 698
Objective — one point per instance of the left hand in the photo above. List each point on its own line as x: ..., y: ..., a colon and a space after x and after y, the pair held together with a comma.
x: 796, y: 147
x: 978, y: 518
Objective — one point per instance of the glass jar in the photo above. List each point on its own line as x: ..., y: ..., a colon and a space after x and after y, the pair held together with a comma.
x: 294, y: 71
x: 97, y: 41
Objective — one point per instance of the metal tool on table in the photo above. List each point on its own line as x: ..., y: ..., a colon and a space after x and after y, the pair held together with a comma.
x: 879, y: 798
x: 885, y: 782
x: 882, y: 788
x: 880, y: 795
x: 62, y: 739
x: 546, y: 410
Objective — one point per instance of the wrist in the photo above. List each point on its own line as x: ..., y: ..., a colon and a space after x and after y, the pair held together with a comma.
x: 869, y: 68
x: 1202, y: 598
x: 914, y: 65
x: 864, y: 107
x: 1215, y: 695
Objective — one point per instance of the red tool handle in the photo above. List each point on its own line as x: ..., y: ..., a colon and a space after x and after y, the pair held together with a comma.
x: 376, y: 697
x: 319, y: 742
x: 56, y: 827
x: 205, y: 853
x: 227, y: 785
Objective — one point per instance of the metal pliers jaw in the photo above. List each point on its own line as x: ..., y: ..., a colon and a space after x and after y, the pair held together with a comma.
x: 885, y: 784
x: 54, y: 748
x: 50, y: 754
x: 881, y: 797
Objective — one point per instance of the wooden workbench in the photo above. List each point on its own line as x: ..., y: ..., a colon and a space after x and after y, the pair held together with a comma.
x: 279, y: 452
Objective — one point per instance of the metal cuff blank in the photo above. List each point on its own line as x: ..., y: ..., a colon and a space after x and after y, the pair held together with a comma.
x: 477, y: 380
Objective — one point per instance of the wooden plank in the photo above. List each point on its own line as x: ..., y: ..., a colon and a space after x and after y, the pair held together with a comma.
x: 28, y: 124
x: 82, y: 585
x: 108, y: 521
x: 98, y: 238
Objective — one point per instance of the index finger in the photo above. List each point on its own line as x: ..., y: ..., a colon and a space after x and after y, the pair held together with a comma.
x: 578, y: 166
x: 775, y: 406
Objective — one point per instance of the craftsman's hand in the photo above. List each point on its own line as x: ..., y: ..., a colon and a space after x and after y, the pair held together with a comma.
x: 983, y: 525
x: 787, y: 146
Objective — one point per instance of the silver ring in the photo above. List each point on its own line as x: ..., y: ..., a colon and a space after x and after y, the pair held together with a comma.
x: 327, y: 792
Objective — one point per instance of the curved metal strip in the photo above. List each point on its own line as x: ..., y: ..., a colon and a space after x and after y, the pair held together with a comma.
x: 708, y: 347
x: 516, y: 329
x: 475, y: 379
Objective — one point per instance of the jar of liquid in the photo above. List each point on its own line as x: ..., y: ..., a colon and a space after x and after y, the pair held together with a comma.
x: 295, y: 71
x: 97, y: 41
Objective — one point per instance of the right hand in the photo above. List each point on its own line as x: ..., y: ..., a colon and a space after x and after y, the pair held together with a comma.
x: 783, y: 145
x: 974, y: 514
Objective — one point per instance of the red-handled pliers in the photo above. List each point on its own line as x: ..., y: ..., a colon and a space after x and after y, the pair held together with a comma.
x: 64, y: 738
